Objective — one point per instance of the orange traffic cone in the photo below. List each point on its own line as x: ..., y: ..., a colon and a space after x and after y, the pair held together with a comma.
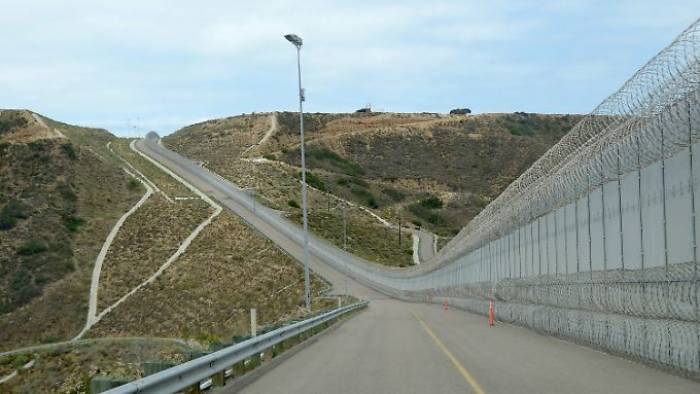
x: 491, y: 313
x: 444, y: 304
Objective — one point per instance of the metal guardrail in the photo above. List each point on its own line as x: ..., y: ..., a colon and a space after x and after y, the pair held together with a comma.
x: 200, y: 369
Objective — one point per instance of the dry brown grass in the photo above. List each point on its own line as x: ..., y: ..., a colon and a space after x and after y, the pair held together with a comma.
x: 102, y: 196
x: 68, y: 369
x: 165, y: 182
x: 31, y: 131
x: 207, y: 293
x: 275, y: 185
x: 145, y: 242
x: 238, y: 133
x: 392, y: 161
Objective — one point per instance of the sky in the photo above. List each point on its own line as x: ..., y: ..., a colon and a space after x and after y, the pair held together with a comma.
x: 131, y: 66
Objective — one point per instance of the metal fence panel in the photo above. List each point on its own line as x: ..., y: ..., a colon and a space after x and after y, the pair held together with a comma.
x: 597, y: 254
x: 613, y: 244
x: 631, y: 230
x: 652, y: 216
x: 571, y: 238
x: 560, y: 238
x: 584, y: 254
x: 549, y: 243
x: 677, y: 208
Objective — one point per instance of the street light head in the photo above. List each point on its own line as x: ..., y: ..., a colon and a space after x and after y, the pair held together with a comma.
x: 294, y: 39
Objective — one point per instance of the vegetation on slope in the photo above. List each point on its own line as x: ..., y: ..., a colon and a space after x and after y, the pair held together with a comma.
x: 277, y: 186
x: 58, y: 200
x: 362, y: 239
x: 464, y: 162
x: 203, y: 297
x: 69, y: 368
x: 390, y: 163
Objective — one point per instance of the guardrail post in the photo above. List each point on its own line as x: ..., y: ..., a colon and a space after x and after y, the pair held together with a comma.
x: 219, y: 379
x: 151, y: 367
x: 239, y: 368
x: 194, y: 389
x: 100, y: 384
x: 267, y: 355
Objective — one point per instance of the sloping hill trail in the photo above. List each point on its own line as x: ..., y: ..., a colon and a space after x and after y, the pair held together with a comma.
x: 56, y: 226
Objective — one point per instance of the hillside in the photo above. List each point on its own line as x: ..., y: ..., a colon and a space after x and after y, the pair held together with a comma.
x: 63, y: 188
x: 58, y: 199
x: 427, y: 170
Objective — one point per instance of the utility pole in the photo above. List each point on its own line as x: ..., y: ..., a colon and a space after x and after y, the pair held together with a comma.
x: 297, y: 42
x: 345, y: 228
x: 400, y: 243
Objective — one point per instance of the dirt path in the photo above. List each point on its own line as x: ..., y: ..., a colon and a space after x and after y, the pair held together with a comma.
x: 41, y: 122
x: 93, y: 317
x: 134, y: 170
x: 269, y: 133
x: 97, y: 270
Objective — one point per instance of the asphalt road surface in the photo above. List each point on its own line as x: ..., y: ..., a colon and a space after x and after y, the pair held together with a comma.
x: 426, y: 246
x: 400, y: 347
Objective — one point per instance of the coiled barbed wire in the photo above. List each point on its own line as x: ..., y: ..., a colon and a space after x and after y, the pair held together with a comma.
x: 602, y: 146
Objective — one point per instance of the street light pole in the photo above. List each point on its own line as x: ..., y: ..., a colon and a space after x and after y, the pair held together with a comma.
x: 297, y: 41
x: 345, y: 228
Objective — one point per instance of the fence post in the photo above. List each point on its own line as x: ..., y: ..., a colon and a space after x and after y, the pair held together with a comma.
x: 641, y: 235
x: 590, y: 243
x: 253, y: 323
x: 578, y: 255
x: 622, y: 245
x: 693, y: 227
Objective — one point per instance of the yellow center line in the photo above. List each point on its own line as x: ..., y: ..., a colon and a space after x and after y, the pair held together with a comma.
x: 465, y: 373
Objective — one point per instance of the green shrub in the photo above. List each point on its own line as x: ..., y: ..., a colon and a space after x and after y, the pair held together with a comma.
x: 73, y: 223
x: 427, y: 214
x: 36, y: 146
x: 12, y: 211
x: 7, y: 222
x: 324, y: 154
x: 133, y: 184
x: 313, y: 180
x: 431, y: 202
x: 270, y: 156
x: 32, y: 247
x: 21, y: 359
x: 366, y: 195
x: 13, y: 121
x: 293, y: 204
x: 69, y: 150
x: 352, y: 180
x: 394, y: 194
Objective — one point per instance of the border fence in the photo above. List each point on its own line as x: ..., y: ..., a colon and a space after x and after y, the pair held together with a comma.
x: 598, y: 241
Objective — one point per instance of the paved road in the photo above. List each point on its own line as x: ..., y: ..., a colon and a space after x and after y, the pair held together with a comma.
x: 387, y: 349
x: 399, y: 347
x: 426, y: 246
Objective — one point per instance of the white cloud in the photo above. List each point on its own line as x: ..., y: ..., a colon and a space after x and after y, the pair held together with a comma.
x: 175, y: 61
